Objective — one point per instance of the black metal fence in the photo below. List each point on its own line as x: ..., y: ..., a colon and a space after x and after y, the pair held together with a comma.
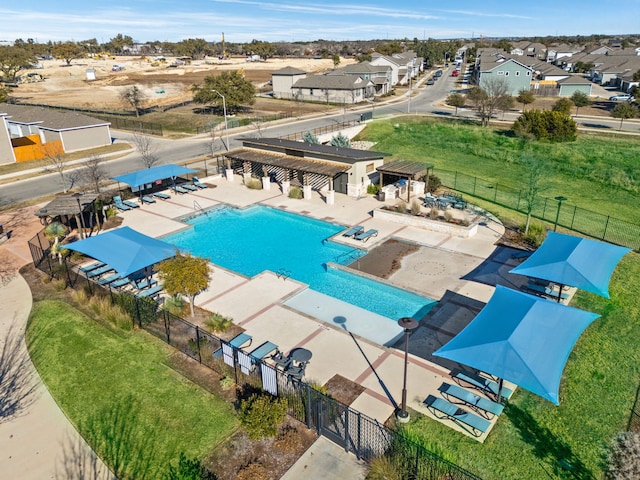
x: 571, y: 217
x: 357, y: 433
x: 334, y: 127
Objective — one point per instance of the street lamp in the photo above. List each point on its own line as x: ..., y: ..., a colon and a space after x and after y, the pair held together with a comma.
x: 224, y: 110
x: 560, y: 199
x: 408, y: 324
x: 77, y: 196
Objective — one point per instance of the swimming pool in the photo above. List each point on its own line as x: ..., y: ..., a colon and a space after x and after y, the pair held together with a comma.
x: 258, y: 238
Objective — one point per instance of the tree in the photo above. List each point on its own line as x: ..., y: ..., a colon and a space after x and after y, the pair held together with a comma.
x: 116, y: 44
x: 193, y: 47
x: 5, y: 93
x: 506, y: 103
x: 146, y: 147
x: 580, y: 99
x: 336, y: 60
x: 12, y: 60
x: 134, y: 97
x: 563, y: 106
x: 264, y: 49
x: 189, y: 469
x: 68, y: 51
x: 581, y: 67
x: 533, y: 179
x: 237, y: 90
x: 185, y: 275
x: 623, y: 462
x: 487, y: 100
x: 546, y: 125
x: 503, y: 44
x: 455, y: 100
x: 525, y: 97
x: 309, y: 137
x: 93, y: 172
x: 389, y: 48
x: 56, y: 231
x: 54, y: 157
x: 636, y: 76
x: 340, y: 140
x: 623, y: 111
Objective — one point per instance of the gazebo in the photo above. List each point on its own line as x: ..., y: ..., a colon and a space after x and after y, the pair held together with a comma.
x: 75, y: 205
x: 408, y: 169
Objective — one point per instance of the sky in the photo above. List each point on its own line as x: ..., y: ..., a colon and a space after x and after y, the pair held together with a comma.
x: 302, y: 20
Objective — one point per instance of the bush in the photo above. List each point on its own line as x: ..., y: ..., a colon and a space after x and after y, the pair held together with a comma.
x: 254, y: 183
x: 433, y: 183
x: 295, y: 192
x: 433, y: 213
x: 448, y: 216
x: 110, y: 313
x: 253, y: 471
x: 174, y: 305
x: 563, y: 105
x: 415, y: 207
x: 261, y: 414
x: 189, y: 470
x: 373, y: 189
x: 401, y: 206
x: 546, y: 125
x: 384, y: 468
x: 59, y: 285
x: 623, y: 461
x: 535, y: 236
x: 217, y: 323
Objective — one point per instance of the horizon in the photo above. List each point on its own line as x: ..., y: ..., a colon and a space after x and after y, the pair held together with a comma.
x: 307, y: 21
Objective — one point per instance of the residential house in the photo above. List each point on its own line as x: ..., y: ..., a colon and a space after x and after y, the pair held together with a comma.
x: 6, y: 150
x: 282, y: 80
x: 625, y: 82
x: 36, y: 132
x: 561, y: 51
x: 492, y: 64
x: 380, y: 75
x: 404, y: 66
x: 574, y: 83
x: 345, y: 89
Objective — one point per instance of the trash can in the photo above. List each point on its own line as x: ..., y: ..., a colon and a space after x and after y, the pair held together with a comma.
x: 382, y: 195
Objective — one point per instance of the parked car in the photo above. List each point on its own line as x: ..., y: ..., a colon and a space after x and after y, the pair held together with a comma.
x: 455, y: 73
x: 622, y: 97
x: 438, y: 73
x: 431, y: 81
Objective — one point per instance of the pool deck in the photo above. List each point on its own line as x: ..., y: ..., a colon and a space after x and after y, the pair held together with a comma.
x: 444, y: 267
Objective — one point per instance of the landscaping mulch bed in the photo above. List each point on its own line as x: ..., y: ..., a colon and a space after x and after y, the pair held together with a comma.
x: 343, y: 390
x: 385, y: 259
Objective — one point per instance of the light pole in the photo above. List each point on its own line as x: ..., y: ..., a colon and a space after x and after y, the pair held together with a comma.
x: 560, y: 199
x: 77, y: 196
x: 408, y: 324
x: 224, y: 110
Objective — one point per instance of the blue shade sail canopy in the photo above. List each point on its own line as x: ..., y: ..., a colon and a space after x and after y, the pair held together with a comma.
x: 150, y: 175
x: 520, y: 338
x: 578, y: 262
x: 124, y: 249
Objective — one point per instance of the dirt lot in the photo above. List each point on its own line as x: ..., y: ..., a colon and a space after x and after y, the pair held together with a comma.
x: 161, y: 84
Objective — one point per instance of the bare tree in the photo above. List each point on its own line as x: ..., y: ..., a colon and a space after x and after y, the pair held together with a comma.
x: 17, y: 381
x: 79, y: 462
x: 134, y: 97
x: 259, y: 126
x: 54, y: 156
x: 533, y: 178
x: 146, y: 147
x: 93, y: 173
x: 487, y: 99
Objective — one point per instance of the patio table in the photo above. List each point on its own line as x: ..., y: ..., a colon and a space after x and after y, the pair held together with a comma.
x: 300, y: 355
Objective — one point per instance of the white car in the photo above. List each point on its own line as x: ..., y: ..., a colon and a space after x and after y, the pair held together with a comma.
x: 622, y: 97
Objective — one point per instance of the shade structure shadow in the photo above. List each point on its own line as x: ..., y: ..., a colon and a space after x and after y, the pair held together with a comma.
x: 494, y: 270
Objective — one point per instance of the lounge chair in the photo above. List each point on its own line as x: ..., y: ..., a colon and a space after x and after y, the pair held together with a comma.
x: 263, y: 350
x: 545, y: 291
x: 353, y: 231
x: 117, y: 201
x: 162, y: 196
x: 364, y: 236
x: 191, y: 188
x: 484, y: 384
x: 198, y: 183
x: 149, y: 292
x: 109, y: 279
x: 127, y: 203
x: 91, y: 266
x: 240, y: 339
x: 463, y: 418
x: 181, y: 190
x: 118, y: 283
x: 99, y: 271
x: 481, y: 405
x: 142, y: 283
x: 147, y: 199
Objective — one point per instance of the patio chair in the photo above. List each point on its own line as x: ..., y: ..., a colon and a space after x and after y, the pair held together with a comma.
x: 296, y: 371
x: 364, y: 236
x: 481, y: 405
x: 149, y: 292
x: 263, y: 350
x: 281, y: 360
x: 489, y: 387
x: 353, y: 231
x: 181, y: 190
x: 99, y: 271
x: 544, y: 291
x: 147, y: 199
x: 198, y: 183
x: 444, y: 409
x: 109, y: 279
x: 162, y: 196
x: 117, y: 201
x: 189, y: 187
x: 91, y: 266
x: 121, y: 282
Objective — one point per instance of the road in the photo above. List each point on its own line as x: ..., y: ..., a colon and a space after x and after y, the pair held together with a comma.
x: 425, y: 99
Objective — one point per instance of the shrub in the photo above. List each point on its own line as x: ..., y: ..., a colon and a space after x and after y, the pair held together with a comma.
x: 340, y: 140
x: 433, y: 213
x: 535, y: 236
x: 448, y: 216
x: 80, y: 296
x: 110, y: 313
x: 254, y: 183
x: 563, y: 105
x: 253, y: 471
x: 415, y: 207
x: 189, y: 469
x: 111, y: 211
x: 59, y: 285
x: 401, y: 206
x: 227, y: 382
x: 433, y: 183
x: 373, y: 189
x: 546, y: 125
x: 261, y: 414
x: 295, y: 192
x: 623, y: 460
x: 384, y: 468
x: 217, y: 323
x: 174, y: 305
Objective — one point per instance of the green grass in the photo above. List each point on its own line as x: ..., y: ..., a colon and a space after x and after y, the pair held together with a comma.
x: 596, y: 172
x: 136, y: 412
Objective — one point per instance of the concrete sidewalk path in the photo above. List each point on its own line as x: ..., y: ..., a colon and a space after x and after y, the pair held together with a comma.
x: 324, y: 459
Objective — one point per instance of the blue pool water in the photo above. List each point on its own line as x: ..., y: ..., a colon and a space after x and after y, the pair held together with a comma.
x: 251, y: 240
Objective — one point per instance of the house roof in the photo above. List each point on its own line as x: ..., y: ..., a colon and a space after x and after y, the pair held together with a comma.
x: 332, y: 82
x: 361, y: 68
x: 574, y: 80
x: 66, y: 205
x: 49, y: 118
x: 305, y: 149
x: 331, y: 169
x: 405, y: 168
x: 288, y: 71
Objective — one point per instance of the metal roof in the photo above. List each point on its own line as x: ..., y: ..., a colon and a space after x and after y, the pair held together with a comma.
x: 67, y: 205
x: 329, y: 169
x: 405, y: 168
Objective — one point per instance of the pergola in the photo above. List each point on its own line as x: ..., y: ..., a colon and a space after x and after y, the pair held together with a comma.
x: 69, y: 205
x: 408, y: 169
x: 290, y: 163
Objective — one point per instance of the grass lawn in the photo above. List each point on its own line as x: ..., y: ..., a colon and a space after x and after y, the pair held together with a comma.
x: 123, y: 399
x: 596, y: 172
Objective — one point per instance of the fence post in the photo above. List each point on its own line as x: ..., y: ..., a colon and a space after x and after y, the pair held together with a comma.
x: 198, y: 343
x: 346, y: 430
x: 544, y: 210
x: 307, y: 415
x: 359, y: 435
x: 66, y: 269
x: 604, y: 233
x: 575, y: 208
x: 135, y: 301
